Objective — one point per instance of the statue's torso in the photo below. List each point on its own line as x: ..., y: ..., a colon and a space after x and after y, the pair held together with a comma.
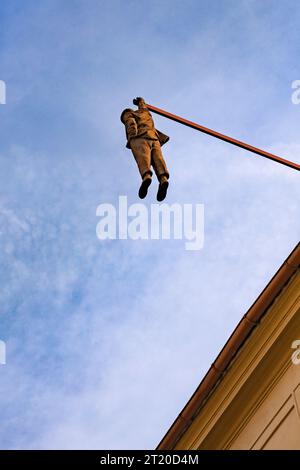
x: 145, y: 124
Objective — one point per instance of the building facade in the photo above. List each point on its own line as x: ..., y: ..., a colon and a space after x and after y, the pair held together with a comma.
x: 250, y: 397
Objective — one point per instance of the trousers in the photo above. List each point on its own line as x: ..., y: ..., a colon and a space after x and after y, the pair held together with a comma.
x: 148, y: 152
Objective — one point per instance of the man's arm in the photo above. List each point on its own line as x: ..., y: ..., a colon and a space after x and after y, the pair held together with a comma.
x: 130, y: 126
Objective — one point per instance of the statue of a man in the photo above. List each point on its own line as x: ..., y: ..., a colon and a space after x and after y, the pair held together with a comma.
x: 145, y: 143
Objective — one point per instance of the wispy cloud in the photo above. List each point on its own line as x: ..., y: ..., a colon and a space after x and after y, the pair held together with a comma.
x: 100, y: 335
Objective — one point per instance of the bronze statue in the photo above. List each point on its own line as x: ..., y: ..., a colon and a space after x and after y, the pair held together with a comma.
x: 145, y: 143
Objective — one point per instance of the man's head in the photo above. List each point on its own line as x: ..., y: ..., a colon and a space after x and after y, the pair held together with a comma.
x: 125, y: 114
x: 138, y: 100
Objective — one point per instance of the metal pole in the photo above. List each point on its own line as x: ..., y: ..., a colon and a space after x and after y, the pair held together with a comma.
x: 226, y: 138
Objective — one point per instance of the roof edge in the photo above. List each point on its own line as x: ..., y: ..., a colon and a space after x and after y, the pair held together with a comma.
x: 243, y: 330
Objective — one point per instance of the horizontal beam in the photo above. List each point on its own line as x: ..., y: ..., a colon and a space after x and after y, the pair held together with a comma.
x: 224, y: 137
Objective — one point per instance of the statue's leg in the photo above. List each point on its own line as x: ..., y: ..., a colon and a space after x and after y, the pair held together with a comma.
x: 141, y: 149
x: 158, y: 161
x: 161, y: 170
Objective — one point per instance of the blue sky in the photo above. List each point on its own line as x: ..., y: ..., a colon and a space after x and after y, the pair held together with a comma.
x: 106, y: 341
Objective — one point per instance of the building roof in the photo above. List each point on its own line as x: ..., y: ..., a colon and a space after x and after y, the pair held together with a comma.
x: 241, y: 333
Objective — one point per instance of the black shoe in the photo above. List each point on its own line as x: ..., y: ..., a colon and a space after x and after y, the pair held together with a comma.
x: 144, y: 187
x: 162, y: 189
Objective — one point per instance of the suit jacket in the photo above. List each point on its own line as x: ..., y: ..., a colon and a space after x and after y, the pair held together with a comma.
x: 139, y: 123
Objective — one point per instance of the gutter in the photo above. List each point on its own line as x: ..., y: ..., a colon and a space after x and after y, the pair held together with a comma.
x: 243, y: 330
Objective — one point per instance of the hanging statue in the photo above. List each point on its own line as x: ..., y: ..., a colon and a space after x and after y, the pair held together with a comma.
x: 145, y: 143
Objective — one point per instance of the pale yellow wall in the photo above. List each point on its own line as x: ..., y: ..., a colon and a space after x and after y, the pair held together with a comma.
x: 276, y: 422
